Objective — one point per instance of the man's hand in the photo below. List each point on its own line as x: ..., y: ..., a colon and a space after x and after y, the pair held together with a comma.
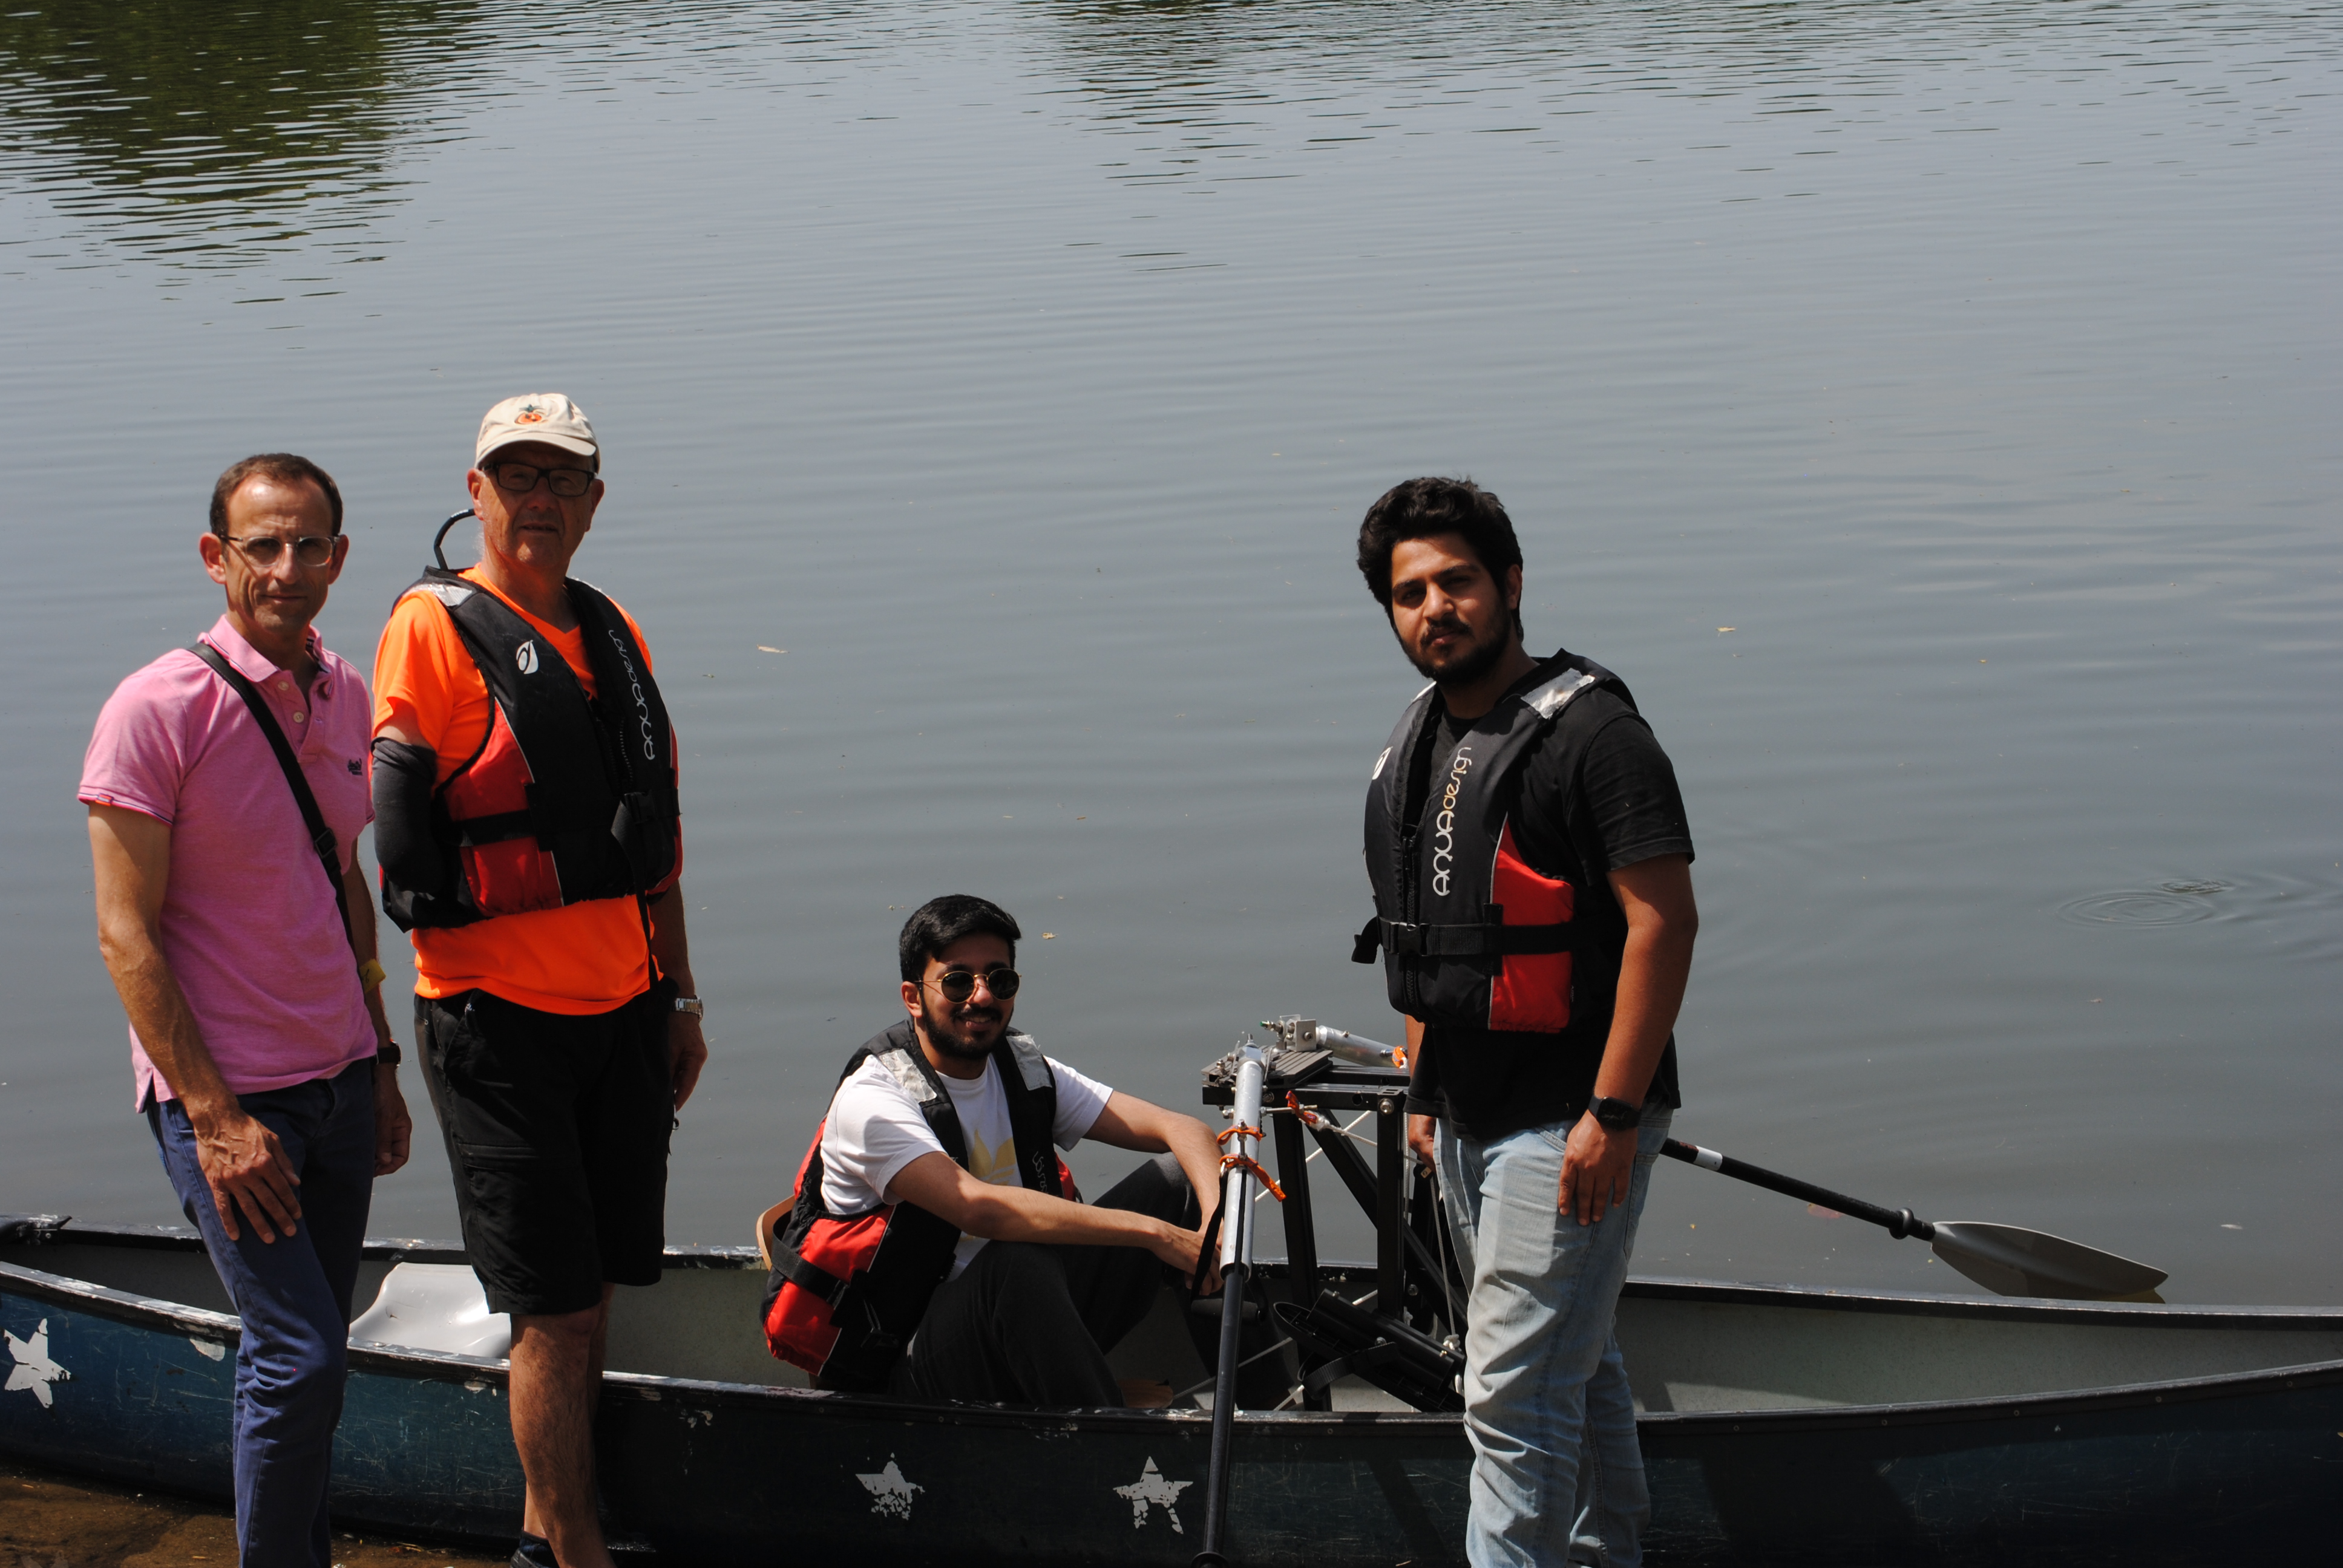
x: 394, y: 1129
x: 1420, y: 1141
x: 1185, y: 1250
x: 1598, y: 1164
x: 245, y: 1166
x: 686, y: 1055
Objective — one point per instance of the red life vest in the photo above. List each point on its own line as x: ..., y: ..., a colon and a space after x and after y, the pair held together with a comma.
x: 568, y: 797
x: 1473, y: 933
x: 846, y: 1293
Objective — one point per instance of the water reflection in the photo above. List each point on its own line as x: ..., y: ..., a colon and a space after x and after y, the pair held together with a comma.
x: 207, y: 138
x: 210, y: 139
x: 1213, y: 80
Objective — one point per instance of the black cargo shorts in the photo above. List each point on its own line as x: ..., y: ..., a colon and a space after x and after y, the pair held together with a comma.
x: 556, y: 1128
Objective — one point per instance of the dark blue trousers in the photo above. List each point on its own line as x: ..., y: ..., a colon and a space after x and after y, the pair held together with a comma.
x: 293, y: 1296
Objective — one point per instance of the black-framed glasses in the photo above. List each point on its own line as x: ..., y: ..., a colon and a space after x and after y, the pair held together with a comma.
x: 959, y: 985
x: 263, y: 550
x: 520, y: 478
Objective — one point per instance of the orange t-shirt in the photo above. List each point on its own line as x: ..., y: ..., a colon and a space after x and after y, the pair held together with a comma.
x: 579, y: 959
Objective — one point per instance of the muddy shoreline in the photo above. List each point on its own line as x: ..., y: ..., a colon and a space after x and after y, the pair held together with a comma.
x: 50, y: 1520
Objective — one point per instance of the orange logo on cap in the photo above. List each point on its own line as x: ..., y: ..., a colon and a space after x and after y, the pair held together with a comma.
x: 532, y: 415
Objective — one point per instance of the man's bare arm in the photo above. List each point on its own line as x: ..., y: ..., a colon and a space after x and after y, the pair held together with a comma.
x: 241, y: 1160
x: 1662, y: 921
x: 1130, y: 1123
x: 935, y: 1182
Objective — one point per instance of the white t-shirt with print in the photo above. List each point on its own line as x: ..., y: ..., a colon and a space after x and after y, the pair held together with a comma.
x: 876, y: 1129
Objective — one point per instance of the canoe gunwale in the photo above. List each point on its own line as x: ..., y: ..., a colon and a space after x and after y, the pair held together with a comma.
x: 55, y: 1228
x: 2014, y: 1407
x: 1946, y: 1304
x: 124, y: 1306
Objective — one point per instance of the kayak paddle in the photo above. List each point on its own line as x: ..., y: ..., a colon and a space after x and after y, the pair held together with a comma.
x: 2003, y: 1259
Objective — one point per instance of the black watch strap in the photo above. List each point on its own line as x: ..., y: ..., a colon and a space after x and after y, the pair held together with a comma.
x: 1615, y: 1114
x: 388, y: 1054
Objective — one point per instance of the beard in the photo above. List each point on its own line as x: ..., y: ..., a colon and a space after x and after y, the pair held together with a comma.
x: 1467, y: 667
x: 949, y: 1035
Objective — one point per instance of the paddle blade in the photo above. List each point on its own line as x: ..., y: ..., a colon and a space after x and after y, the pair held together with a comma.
x: 2011, y: 1261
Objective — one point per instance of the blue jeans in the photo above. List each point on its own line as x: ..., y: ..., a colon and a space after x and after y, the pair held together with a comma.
x: 293, y: 1296
x: 1557, y: 1475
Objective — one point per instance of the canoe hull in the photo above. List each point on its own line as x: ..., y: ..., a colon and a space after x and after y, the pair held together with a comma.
x: 139, y: 1390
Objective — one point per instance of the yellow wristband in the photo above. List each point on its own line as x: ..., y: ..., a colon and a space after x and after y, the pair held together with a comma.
x: 371, y: 974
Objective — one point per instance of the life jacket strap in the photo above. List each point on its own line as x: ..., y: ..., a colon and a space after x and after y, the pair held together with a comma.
x: 791, y: 1266
x: 474, y: 831
x: 1415, y: 942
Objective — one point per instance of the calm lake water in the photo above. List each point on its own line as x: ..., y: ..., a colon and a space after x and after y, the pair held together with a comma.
x: 1930, y: 409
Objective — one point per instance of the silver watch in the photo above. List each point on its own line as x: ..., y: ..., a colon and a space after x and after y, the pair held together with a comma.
x: 692, y: 1005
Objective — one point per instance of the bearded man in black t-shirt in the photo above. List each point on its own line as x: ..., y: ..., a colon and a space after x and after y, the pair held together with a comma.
x: 1530, y: 865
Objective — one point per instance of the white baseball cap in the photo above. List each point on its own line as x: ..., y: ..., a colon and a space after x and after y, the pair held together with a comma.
x: 546, y: 416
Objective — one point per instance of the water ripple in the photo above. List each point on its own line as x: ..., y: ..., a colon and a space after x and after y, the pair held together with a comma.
x: 2174, y: 904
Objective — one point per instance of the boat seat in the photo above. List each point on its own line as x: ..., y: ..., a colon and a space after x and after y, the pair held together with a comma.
x: 435, y: 1307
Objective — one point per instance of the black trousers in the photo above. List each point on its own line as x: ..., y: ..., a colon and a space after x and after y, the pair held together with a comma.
x: 1030, y: 1324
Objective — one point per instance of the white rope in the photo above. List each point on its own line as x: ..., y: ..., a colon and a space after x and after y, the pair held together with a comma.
x: 1241, y: 1366
x: 1345, y: 1132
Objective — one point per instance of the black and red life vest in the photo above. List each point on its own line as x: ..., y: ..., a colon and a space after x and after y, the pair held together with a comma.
x: 570, y: 798
x: 1473, y: 933
x: 846, y: 1293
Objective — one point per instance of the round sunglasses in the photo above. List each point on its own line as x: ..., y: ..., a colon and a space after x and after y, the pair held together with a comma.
x: 959, y: 985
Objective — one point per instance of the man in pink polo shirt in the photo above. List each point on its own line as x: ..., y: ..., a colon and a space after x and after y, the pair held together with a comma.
x: 263, y: 1061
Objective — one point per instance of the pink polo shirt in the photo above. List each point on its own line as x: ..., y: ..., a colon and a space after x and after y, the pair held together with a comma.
x: 250, y: 925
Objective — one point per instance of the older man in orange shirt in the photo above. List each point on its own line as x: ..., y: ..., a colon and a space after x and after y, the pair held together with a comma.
x: 530, y: 837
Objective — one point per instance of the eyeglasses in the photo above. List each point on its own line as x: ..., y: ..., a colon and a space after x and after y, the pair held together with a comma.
x: 262, y: 549
x: 959, y: 985
x: 520, y: 478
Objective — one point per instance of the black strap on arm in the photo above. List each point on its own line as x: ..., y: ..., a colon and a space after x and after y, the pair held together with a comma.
x: 321, y: 837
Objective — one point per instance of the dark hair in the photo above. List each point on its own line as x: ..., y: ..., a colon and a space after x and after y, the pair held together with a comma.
x: 1425, y: 509
x: 286, y: 468
x: 940, y: 922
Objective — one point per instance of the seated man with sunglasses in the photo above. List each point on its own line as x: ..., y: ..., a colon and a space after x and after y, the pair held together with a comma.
x: 936, y: 1248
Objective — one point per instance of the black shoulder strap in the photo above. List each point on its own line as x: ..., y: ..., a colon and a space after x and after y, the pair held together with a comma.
x: 1032, y: 1092
x: 898, y: 1049
x: 321, y: 837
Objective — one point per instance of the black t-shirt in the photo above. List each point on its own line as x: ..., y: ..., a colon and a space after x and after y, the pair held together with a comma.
x: 1622, y: 807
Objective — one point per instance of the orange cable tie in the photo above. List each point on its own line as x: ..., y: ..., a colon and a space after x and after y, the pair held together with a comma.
x: 1241, y: 1163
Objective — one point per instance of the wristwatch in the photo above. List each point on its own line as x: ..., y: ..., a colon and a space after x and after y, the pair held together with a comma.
x: 388, y: 1054
x: 692, y: 1005
x: 1615, y: 1114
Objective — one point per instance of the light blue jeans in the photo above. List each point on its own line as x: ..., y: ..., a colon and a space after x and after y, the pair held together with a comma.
x: 1557, y: 1475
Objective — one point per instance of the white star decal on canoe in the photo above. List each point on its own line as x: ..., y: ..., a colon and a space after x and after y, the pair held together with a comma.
x: 1151, y: 1489
x: 890, y: 1494
x: 34, y: 1369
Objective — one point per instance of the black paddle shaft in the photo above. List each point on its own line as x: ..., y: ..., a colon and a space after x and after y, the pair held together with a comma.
x: 1224, y: 1410
x: 1897, y: 1222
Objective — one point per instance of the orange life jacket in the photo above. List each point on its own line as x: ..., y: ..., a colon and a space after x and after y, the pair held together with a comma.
x: 568, y: 798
